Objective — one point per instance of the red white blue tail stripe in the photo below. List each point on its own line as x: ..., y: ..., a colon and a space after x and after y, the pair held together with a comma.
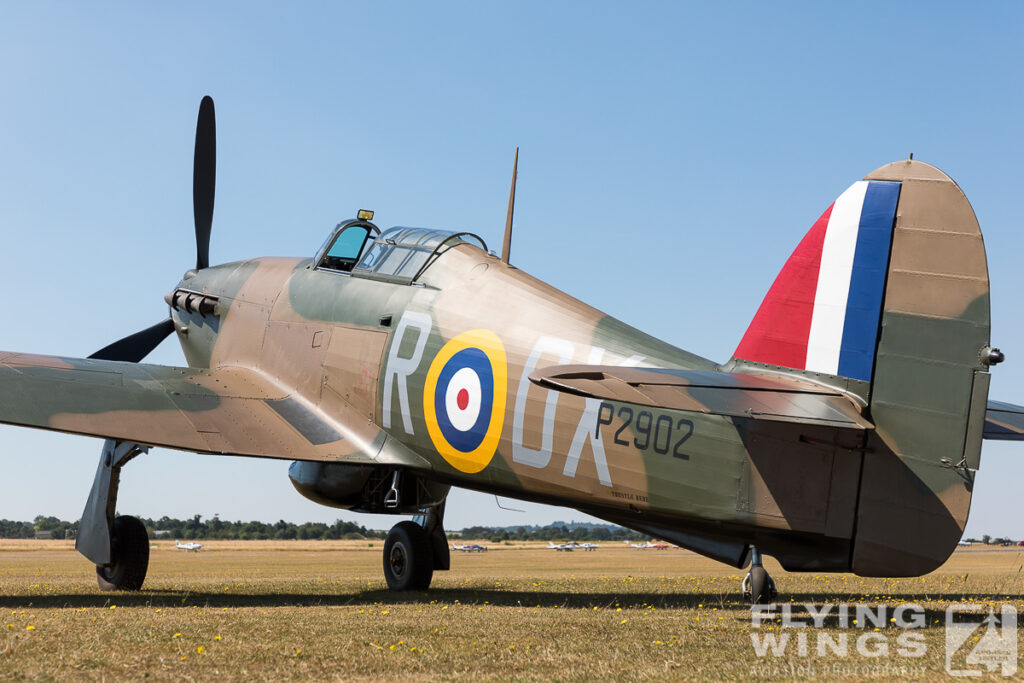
x: 822, y: 314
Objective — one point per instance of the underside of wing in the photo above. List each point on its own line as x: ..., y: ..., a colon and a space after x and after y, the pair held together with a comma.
x: 228, y: 410
x: 717, y: 393
x: 1004, y: 421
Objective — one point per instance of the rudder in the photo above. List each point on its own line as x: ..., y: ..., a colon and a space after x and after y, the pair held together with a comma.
x: 930, y: 389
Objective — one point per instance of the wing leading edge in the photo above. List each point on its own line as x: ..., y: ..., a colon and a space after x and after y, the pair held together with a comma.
x: 228, y: 410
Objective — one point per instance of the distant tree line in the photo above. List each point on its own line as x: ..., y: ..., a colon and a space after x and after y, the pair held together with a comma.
x: 57, y: 528
x: 198, y: 528
x: 988, y: 540
x: 215, y: 528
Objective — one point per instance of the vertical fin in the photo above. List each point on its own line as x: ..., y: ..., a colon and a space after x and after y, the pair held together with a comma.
x: 887, y: 298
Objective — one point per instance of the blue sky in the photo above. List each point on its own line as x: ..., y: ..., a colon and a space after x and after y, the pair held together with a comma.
x: 672, y: 155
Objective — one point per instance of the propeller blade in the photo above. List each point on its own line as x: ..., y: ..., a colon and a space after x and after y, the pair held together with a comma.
x: 135, y: 347
x: 204, y: 179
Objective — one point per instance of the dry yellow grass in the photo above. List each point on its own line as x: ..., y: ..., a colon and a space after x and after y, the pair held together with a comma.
x: 320, y: 610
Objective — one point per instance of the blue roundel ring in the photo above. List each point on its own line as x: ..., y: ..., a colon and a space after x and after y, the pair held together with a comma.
x: 476, y: 360
x: 464, y: 399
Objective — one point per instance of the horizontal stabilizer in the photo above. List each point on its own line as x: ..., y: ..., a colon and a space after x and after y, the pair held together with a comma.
x: 1004, y: 422
x: 227, y: 410
x: 716, y: 393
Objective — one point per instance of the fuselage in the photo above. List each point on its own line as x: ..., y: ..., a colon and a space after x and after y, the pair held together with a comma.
x: 387, y: 349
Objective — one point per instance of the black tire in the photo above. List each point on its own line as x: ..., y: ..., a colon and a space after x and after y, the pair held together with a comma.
x: 408, y: 560
x: 762, y: 588
x: 129, y: 557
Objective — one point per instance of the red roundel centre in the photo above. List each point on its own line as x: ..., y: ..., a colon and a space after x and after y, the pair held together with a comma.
x: 462, y: 399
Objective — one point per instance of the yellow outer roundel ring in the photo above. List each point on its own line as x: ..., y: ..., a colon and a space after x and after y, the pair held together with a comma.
x: 487, y: 343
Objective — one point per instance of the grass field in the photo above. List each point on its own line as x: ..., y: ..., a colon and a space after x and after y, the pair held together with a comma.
x: 300, y: 610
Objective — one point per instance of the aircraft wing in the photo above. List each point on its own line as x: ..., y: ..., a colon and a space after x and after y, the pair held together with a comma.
x: 227, y: 410
x: 1004, y: 422
x: 718, y: 393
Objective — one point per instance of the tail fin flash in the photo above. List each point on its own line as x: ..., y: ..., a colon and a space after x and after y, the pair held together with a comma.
x: 823, y: 312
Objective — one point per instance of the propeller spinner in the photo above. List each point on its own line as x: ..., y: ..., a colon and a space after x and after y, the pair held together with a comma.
x: 135, y: 347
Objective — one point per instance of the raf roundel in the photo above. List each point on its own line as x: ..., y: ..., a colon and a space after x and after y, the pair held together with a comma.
x: 464, y: 399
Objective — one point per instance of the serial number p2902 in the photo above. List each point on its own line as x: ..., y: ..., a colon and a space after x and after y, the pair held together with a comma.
x: 660, y: 433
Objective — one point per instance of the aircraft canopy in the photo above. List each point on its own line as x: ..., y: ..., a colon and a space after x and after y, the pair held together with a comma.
x: 399, y: 254
x: 402, y: 254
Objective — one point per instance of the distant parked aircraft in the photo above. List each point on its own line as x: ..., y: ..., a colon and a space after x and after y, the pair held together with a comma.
x: 572, y: 545
x: 470, y: 548
x: 649, y: 544
x: 191, y: 546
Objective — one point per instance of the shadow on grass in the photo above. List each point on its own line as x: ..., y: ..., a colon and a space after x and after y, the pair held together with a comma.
x: 479, y: 596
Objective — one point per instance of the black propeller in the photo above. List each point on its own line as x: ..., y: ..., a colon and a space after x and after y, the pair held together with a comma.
x: 135, y: 347
x: 204, y: 179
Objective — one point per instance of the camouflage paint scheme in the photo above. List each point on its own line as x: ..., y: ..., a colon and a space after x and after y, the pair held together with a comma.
x: 287, y: 360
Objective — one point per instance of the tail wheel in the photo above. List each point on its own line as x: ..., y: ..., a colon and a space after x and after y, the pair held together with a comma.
x: 129, y: 557
x: 758, y: 586
x: 408, y: 560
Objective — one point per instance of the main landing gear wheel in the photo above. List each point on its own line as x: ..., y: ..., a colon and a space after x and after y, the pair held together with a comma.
x: 408, y: 560
x: 129, y: 557
x: 758, y: 586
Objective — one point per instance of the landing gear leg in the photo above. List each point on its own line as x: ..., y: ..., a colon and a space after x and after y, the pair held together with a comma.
x: 758, y: 587
x: 432, y: 521
x: 119, y: 547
